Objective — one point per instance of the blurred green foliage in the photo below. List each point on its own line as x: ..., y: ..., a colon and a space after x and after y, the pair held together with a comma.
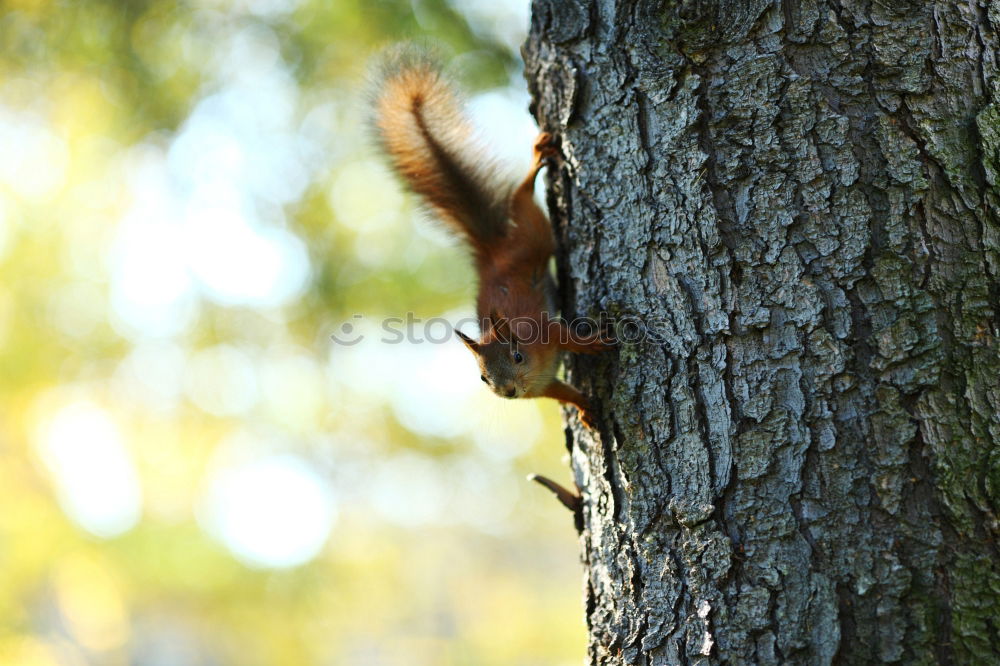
x: 158, y: 396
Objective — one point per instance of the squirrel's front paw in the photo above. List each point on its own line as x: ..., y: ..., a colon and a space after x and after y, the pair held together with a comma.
x: 589, y: 419
x: 545, y: 146
x: 604, y: 345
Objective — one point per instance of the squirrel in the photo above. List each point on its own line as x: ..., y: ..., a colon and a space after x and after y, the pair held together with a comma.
x: 420, y: 125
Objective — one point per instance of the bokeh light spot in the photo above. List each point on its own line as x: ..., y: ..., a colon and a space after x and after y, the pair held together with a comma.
x: 273, y: 512
x: 96, y: 481
x: 34, y: 160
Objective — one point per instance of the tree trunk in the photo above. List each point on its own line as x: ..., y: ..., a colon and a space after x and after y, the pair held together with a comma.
x: 799, y: 200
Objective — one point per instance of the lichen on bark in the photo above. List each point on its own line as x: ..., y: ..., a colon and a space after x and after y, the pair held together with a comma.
x: 801, y: 199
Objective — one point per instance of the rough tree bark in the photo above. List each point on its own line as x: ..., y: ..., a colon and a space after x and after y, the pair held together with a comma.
x: 801, y: 196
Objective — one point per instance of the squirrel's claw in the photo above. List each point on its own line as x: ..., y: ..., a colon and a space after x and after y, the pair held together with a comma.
x: 602, y: 346
x: 545, y: 147
x: 589, y: 419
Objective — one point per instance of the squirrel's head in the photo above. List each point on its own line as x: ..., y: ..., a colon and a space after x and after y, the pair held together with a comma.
x: 504, y: 364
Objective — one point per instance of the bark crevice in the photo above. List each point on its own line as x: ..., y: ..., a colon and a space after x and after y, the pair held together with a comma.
x: 800, y: 198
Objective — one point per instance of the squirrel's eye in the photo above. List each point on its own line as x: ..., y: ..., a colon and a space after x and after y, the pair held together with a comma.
x: 518, y: 358
x: 483, y: 377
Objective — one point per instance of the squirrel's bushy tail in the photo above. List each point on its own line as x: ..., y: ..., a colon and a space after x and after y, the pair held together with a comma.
x: 421, y: 126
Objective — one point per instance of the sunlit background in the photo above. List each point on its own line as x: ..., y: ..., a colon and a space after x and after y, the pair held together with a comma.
x: 191, y: 470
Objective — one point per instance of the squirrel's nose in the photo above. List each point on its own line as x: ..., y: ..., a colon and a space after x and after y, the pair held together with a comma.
x: 511, y: 392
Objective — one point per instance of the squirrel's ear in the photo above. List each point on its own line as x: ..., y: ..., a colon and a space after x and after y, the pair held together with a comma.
x: 467, y: 341
x: 500, y: 326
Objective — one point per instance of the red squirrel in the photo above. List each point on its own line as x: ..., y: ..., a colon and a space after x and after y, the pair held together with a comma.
x: 429, y: 141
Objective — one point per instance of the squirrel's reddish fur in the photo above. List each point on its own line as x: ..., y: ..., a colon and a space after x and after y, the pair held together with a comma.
x: 422, y: 128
